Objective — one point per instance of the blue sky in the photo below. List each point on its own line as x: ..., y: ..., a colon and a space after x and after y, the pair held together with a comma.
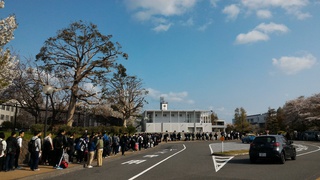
x: 198, y: 54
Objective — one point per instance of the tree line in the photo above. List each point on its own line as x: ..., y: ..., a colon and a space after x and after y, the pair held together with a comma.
x: 300, y: 114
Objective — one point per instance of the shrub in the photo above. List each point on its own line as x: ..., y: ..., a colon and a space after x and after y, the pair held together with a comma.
x: 36, y: 127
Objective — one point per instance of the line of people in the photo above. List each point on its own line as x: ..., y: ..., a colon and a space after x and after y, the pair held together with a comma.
x: 10, y: 150
x: 83, y: 149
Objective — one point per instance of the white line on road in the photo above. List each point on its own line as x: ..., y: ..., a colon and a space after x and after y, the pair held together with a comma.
x: 220, y: 161
x: 134, y: 177
x: 310, y: 151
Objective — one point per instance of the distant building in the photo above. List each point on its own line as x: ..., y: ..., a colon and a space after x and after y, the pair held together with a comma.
x: 8, y: 112
x: 258, y: 120
x: 165, y: 120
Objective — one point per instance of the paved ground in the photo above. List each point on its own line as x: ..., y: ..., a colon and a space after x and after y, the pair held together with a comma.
x: 47, y: 171
x: 228, y: 146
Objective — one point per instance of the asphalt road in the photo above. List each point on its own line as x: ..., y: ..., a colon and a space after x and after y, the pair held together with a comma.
x: 193, y: 160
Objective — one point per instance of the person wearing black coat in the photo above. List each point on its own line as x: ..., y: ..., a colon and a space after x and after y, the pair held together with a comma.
x: 12, y: 146
x: 59, y: 144
x: 123, y: 143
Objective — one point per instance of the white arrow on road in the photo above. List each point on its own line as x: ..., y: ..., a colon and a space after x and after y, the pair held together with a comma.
x: 300, y: 147
x: 220, y: 161
x: 134, y: 162
x: 150, y: 156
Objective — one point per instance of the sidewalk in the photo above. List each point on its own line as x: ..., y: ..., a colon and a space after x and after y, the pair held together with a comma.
x: 26, y: 173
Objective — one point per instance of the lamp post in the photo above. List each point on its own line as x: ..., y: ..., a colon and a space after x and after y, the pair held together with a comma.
x: 47, y: 90
x: 15, y: 116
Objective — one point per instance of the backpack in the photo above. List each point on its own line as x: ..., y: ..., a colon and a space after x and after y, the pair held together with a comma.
x: 11, y: 146
x: 32, y: 145
x: 1, y: 147
x: 80, y: 144
x: 64, y: 164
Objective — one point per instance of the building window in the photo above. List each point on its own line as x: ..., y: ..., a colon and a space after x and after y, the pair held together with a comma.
x: 11, y: 118
x: 2, y: 117
x: 156, y: 115
x: 172, y: 115
x: 8, y: 108
x: 3, y: 107
x: 7, y: 117
x: 164, y: 115
x: 180, y: 115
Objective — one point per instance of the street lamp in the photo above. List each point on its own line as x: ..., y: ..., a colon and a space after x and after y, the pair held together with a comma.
x: 47, y: 90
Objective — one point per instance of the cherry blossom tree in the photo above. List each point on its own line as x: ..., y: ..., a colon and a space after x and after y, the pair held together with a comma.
x: 7, y: 60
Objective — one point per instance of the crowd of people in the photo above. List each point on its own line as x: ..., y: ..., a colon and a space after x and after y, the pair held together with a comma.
x: 87, y: 147
x: 67, y: 147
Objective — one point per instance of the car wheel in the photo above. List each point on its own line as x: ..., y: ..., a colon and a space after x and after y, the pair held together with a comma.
x: 253, y: 160
x: 282, y: 158
x: 294, y: 155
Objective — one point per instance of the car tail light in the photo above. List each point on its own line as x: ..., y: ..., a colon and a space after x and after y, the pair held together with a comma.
x: 276, y: 144
x: 251, y: 144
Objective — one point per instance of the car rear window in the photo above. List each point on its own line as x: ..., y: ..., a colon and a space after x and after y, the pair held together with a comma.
x: 265, y: 140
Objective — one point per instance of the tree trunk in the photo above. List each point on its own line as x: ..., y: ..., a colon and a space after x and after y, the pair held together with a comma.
x: 71, y: 109
x: 125, y: 123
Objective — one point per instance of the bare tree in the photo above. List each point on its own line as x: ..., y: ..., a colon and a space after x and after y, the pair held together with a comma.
x: 83, y: 57
x: 126, y: 94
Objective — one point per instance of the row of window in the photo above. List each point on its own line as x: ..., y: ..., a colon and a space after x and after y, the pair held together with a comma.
x: 6, y: 117
x: 8, y: 108
x: 180, y: 115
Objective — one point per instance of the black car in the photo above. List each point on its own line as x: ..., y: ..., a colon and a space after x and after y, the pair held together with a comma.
x: 272, y: 147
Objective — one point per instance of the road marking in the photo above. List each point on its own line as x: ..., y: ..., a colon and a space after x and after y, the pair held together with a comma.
x: 300, y: 147
x: 150, y: 156
x: 134, y: 177
x: 220, y: 161
x: 134, y: 162
x: 310, y: 151
x: 163, y: 151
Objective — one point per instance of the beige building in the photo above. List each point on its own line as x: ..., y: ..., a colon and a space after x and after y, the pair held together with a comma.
x: 165, y: 120
x: 8, y: 112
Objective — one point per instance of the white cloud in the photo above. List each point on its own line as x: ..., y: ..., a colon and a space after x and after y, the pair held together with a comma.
x: 292, y: 65
x: 300, y: 15
x: 205, y: 26
x: 264, y: 14
x: 286, y: 4
x: 272, y: 27
x: 162, y: 27
x: 214, y: 3
x: 155, y: 10
x: 290, y: 6
x: 261, y: 33
x: 189, y: 22
x: 232, y: 11
x: 171, y: 97
x: 250, y: 37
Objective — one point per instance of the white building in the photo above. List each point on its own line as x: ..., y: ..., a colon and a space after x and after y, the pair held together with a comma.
x: 192, y: 121
x: 8, y: 113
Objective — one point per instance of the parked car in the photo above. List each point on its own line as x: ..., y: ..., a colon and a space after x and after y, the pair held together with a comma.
x: 311, y: 136
x: 272, y: 147
x: 248, y: 138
